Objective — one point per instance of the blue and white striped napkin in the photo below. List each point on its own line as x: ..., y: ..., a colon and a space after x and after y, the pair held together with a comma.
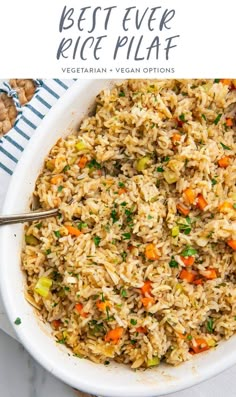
x: 14, y: 142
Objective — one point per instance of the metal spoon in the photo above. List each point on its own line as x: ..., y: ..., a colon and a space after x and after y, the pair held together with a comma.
x: 31, y: 216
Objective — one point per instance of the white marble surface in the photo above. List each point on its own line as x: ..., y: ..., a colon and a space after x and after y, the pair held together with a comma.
x: 21, y: 376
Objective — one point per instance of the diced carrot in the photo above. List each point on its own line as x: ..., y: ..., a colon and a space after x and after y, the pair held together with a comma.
x: 209, y: 274
x: 201, y: 202
x: 225, y: 81
x: 114, y: 335
x: 224, y: 162
x: 199, y: 345
x: 56, y: 179
x: 56, y: 324
x: 151, y: 252
x: 122, y: 191
x: 229, y: 122
x: 82, y: 162
x: 141, y: 330
x: 103, y: 305
x: 147, y: 287
x: 147, y: 301
x: 187, y: 260
x: 176, y: 138
x: 79, y: 309
x: 187, y: 276
x: 225, y: 207
x: 198, y: 281
x: 181, y: 336
x: 73, y: 231
x: 232, y: 244
x: 189, y: 195
x: 183, y: 210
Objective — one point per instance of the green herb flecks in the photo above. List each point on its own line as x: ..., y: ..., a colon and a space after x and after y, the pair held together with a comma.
x: 209, y: 325
x: 173, y: 262
x: 160, y: 169
x: 121, y: 94
x: 189, y: 252
x: 182, y: 117
x: 204, y: 117
x: 57, y: 233
x: 217, y: 119
x: 114, y: 216
x: 93, y: 164
x: 17, y: 321
x: 224, y: 146
x: 126, y: 236
x: 133, y: 321
x: 60, y: 188
x: 123, y: 293
x: 39, y: 225
x: 96, y: 240
x: 213, y: 182
x: 66, y: 168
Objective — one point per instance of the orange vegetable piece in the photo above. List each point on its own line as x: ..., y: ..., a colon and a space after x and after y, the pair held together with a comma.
x: 56, y: 323
x: 122, y: 191
x: 147, y: 287
x: 114, y: 335
x: 176, y: 138
x: 225, y: 207
x: 79, y: 309
x: 224, y: 162
x: 201, y: 202
x: 198, y: 281
x: 188, y: 260
x: 151, y: 252
x: 187, y: 276
x: 232, y: 244
x: 56, y: 179
x: 183, y: 210
x: 82, y: 162
x: 209, y: 274
x: 147, y: 301
x: 229, y: 123
x: 181, y: 336
x: 199, y: 345
x: 189, y: 195
x: 225, y: 81
x: 141, y: 330
x: 103, y: 305
x: 73, y: 231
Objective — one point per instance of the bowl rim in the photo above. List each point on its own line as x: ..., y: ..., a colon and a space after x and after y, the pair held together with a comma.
x: 215, y: 368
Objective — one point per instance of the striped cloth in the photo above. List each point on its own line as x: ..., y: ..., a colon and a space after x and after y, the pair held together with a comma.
x: 13, y: 143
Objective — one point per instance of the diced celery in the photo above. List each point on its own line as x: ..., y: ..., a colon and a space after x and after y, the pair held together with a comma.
x: 153, y: 362
x: 142, y: 163
x: 31, y: 240
x: 43, y: 286
x: 80, y: 145
x: 170, y: 177
x: 175, y: 231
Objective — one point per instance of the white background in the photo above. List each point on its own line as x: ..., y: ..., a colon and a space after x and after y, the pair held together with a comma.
x: 29, y: 38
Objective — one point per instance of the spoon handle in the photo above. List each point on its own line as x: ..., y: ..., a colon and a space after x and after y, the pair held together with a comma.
x: 31, y: 216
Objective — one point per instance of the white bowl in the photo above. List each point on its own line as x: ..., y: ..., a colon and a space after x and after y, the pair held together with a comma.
x: 115, y: 380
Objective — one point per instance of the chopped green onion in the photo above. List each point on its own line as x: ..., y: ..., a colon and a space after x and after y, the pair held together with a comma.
x: 94, y: 164
x: 153, y: 362
x: 224, y: 146
x: 204, y: 117
x: 57, y: 233
x: 48, y: 251
x: 60, y: 188
x: 114, y: 216
x: 123, y: 293
x: 173, y: 262
x: 66, y: 168
x: 209, y: 325
x: 123, y: 204
x: 106, y: 362
x: 216, y: 80
x: 189, y: 252
x: 124, y: 255
x: 96, y: 240
x: 182, y: 117
x: 121, y: 94
x: 213, y: 182
x: 216, y: 121
x: 165, y: 159
x: 133, y: 322
x: 121, y: 184
x: 17, y: 321
x: 160, y: 169
x: 81, y: 225
x: 39, y: 225
x: 126, y: 236
x: 43, y: 286
x: 142, y: 163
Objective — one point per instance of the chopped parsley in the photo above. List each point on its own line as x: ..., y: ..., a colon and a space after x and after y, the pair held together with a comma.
x: 123, y: 293
x: 126, y: 236
x: 133, y: 321
x: 160, y: 169
x: 17, y: 321
x: 96, y: 240
x: 189, y: 252
x: 114, y: 216
x: 213, y: 182
x: 39, y: 225
x: 60, y: 188
x: 121, y: 94
x: 66, y: 168
x: 173, y: 262
x: 57, y: 233
x: 224, y: 146
x: 209, y: 325
x: 217, y: 119
x: 94, y: 164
